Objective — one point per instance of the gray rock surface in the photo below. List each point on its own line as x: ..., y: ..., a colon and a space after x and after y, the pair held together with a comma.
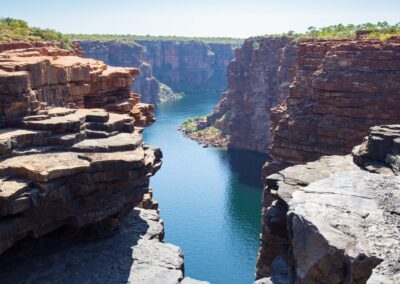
x: 329, y: 221
x: 343, y: 226
x: 136, y: 254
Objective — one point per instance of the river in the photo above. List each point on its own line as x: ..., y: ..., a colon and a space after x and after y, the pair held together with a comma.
x: 210, y: 199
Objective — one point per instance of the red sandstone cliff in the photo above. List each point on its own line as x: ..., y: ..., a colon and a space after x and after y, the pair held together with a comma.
x: 71, y: 170
x: 340, y: 89
x: 258, y: 80
x: 34, y: 77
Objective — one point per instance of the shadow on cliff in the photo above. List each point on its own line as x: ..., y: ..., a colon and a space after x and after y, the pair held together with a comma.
x: 66, y: 256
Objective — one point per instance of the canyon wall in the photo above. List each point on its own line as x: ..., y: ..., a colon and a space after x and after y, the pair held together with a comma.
x: 330, y: 221
x: 320, y: 220
x: 167, y: 67
x: 73, y: 165
x: 258, y: 79
x: 189, y: 66
x: 340, y: 89
x: 116, y: 53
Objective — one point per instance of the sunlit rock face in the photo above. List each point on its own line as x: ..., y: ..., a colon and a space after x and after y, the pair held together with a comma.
x: 167, y: 67
x: 73, y: 165
x: 330, y: 221
x: 189, y: 66
x: 340, y: 89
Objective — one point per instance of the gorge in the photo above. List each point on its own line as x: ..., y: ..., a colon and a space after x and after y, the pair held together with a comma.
x: 299, y: 100
x: 167, y: 67
x: 302, y: 131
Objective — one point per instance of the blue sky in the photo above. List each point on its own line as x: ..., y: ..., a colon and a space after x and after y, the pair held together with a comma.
x: 236, y: 18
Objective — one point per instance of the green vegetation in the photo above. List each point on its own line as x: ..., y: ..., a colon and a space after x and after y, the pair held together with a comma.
x: 13, y: 29
x: 380, y: 30
x: 190, y: 125
x: 211, y: 135
x: 129, y: 38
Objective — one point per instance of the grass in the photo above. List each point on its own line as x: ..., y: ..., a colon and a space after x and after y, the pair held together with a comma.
x: 19, y: 30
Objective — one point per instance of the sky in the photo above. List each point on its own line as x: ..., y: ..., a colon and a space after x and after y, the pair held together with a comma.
x: 231, y: 18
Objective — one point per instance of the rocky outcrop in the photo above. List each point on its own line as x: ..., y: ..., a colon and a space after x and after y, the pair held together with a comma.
x: 33, y: 78
x: 329, y: 221
x: 136, y: 254
x: 69, y: 169
x: 124, y: 54
x: 341, y: 88
x: 380, y: 152
x: 189, y: 66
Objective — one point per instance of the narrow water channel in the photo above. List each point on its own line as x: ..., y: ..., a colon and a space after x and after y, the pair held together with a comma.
x: 210, y: 199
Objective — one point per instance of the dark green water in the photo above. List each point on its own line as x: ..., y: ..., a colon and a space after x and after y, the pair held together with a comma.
x: 210, y: 199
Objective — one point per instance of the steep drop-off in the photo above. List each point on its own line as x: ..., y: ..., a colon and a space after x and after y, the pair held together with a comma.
x: 329, y: 221
x: 191, y: 67
x: 73, y: 165
x: 340, y: 89
x: 117, y: 53
x: 258, y: 80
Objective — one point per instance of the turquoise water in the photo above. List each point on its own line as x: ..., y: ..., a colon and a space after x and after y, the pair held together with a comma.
x: 210, y: 199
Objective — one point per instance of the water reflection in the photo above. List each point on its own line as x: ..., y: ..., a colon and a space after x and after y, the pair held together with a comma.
x: 210, y: 199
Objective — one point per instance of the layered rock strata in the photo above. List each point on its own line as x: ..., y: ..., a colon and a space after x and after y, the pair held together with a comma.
x: 191, y: 67
x: 69, y: 173
x: 341, y: 88
x: 299, y: 101
x: 329, y: 221
x: 124, y: 54
x: 258, y: 80
x: 33, y: 78
x: 70, y: 168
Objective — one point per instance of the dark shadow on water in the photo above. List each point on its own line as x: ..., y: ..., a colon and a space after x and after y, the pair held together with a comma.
x: 247, y: 166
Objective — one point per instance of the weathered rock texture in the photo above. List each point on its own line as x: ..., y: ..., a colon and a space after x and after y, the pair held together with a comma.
x: 136, y: 254
x: 332, y: 222
x: 65, y: 168
x: 124, y: 54
x: 299, y: 101
x: 35, y: 77
x: 70, y: 167
x: 189, y: 66
x: 340, y: 89
x: 258, y: 80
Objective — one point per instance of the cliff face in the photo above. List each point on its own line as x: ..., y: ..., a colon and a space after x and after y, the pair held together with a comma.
x: 299, y: 101
x: 258, y: 79
x: 132, y: 54
x: 322, y: 220
x: 191, y: 67
x: 69, y: 166
x: 341, y: 88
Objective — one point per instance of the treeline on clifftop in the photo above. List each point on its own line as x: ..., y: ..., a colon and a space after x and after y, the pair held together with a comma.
x: 16, y: 30
x: 129, y: 38
x: 380, y: 30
